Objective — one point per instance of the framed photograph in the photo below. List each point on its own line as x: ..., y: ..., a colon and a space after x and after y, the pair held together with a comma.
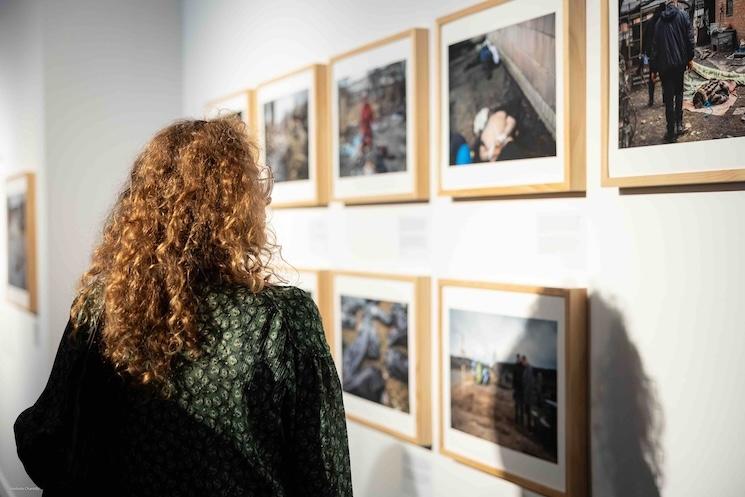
x: 21, y: 218
x: 379, y: 121
x: 382, y: 351
x: 511, y: 98
x: 291, y: 119
x: 238, y: 104
x: 673, y: 110
x: 316, y: 282
x: 513, y: 366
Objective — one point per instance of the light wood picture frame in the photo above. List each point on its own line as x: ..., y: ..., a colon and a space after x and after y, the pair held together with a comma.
x: 20, y: 212
x: 532, y: 431
x: 521, y: 103
x: 634, y: 153
x: 379, y: 112
x: 240, y: 103
x: 382, y: 349
x: 291, y: 120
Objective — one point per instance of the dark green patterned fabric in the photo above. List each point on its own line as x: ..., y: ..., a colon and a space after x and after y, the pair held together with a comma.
x: 260, y: 414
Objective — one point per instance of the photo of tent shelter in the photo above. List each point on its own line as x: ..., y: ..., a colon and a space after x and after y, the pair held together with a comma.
x: 712, y: 106
x: 375, y: 356
x: 286, y: 132
x: 17, y: 263
x: 502, y: 94
x: 372, y: 121
x: 503, y: 380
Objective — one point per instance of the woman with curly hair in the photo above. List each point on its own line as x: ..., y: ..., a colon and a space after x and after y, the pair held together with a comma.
x: 185, y: 369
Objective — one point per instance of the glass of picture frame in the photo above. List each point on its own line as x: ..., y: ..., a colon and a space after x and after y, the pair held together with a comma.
x: 292, y: 124
x: 239, y: 104
x: 513, y: 379
x: 637, y: 149
x: 21, y: 285
x: 511, y: 98
x: 382, y: 350
x: 380, y: 121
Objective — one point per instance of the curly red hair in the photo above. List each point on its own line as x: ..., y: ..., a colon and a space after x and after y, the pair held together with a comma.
x: 192, y: 213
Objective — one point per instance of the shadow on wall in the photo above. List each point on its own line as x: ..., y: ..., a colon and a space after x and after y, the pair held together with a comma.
x: 625, y: 419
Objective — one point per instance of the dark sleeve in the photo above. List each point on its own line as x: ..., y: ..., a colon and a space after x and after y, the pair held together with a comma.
x: 43, y: 432
x: 314, y: 425
x: 647, y: 38
x: 690, y: 47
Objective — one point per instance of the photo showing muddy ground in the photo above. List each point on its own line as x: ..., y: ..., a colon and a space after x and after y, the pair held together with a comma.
x: 372, y: 121
x: 712, y: 103
x: 503, y: 381
x: 286, y: 132
x: 502, y: 94
x: 375, y: 356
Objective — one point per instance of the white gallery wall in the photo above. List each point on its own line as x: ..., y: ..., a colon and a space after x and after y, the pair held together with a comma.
x: 665, y: 270
x: 83, y: 85
x: 23, y: 346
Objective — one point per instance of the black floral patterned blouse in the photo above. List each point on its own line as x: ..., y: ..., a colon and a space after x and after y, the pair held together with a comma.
x: 260, y: 414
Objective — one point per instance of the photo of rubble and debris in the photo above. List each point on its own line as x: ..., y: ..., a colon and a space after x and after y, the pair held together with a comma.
x: 681, y: 71
x: 375, y: 351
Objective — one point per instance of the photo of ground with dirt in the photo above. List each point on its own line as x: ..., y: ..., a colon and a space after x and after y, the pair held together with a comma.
x: 503, y: 381
x: 488, y: 412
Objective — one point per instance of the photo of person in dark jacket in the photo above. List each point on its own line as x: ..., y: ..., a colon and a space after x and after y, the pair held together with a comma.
x: 647, y: 55
x: 695, y: 55
x: 672, y: 53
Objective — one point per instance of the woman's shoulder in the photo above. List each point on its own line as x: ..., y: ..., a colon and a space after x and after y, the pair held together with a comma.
x: 288, y: 296
x: 292, y: 304
x: 299, y: 316
x: 269, y: 294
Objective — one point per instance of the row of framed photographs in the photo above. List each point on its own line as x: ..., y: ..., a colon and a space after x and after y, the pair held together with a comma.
x: 511, y: 368
x: 511, y: 104
x: 357, y: 129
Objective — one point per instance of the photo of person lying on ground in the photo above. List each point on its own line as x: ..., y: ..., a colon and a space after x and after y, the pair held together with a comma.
x: 502, y: 94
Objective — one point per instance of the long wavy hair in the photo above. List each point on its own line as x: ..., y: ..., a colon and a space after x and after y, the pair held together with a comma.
x: 192, y: 213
